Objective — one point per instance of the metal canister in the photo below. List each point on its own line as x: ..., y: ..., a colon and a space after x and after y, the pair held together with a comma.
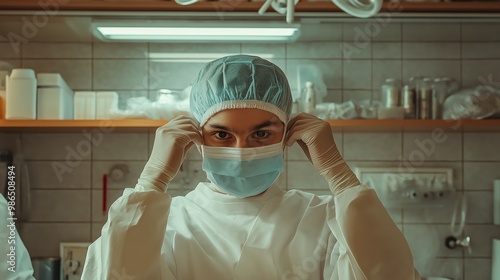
x: 440, y: 91
x: 425, y: 96
x: 415, y: 83
x: 390, y: 93
x: 409, y: 101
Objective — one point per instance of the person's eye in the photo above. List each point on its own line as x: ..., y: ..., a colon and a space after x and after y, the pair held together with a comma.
x: 221, y: 135
x: 262, y: 134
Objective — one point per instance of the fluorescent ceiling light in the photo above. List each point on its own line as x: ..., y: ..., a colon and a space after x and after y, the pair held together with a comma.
x: 221, y: 32
x: 188, y: 57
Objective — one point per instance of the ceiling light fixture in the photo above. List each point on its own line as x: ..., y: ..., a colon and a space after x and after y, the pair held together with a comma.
x: 196, y: 32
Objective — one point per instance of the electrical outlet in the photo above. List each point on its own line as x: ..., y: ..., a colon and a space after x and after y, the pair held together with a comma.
x: 72, y: 260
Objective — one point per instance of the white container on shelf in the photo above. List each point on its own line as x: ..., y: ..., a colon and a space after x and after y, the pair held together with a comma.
x: 85, y: 105
x: 55, y: 97
x: 106, y: 102
x: 20, y: 100
x: 309, y: 98
x: 495, y: 260
x: 2, y: 103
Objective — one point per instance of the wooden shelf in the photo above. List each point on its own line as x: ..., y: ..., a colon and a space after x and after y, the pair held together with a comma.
x: 132, y: 125
x: 143, y: 125
x: 488, y: 125
x: 239, y: 6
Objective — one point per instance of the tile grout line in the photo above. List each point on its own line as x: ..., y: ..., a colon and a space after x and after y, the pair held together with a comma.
x: 92, y: 46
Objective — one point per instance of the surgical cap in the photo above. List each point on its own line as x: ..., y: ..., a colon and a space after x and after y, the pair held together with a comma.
x: 240, y: 81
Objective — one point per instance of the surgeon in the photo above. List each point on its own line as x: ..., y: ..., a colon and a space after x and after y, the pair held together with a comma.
x: 241, y: 224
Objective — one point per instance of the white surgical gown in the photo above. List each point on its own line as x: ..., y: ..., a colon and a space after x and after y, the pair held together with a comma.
x: 277, y: 235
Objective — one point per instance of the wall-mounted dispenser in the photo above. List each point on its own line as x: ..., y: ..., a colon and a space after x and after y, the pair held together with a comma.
x: 457, y: 239
x: 399, y: 187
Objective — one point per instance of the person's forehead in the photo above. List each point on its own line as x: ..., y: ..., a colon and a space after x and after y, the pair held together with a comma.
x: 244, y: 117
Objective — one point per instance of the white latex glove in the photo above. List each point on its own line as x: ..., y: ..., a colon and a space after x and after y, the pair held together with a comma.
x: 316, y: 140
x: 172, y: 142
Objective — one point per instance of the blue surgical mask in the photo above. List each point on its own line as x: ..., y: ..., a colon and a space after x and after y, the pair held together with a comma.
x: 243, y: 172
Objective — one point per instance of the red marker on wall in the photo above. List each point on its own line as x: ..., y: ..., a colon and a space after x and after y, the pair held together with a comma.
x: 104, y: 192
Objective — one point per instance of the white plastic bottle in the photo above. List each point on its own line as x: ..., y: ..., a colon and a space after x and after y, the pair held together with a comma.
x: 2, y: 104
x: 309, y: 98
x: 21, y: 95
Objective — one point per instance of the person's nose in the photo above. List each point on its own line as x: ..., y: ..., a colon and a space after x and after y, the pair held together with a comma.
x: 241, y: 143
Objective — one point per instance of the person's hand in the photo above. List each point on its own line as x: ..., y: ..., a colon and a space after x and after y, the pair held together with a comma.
x: 316, y: 140
x: 171, y: 144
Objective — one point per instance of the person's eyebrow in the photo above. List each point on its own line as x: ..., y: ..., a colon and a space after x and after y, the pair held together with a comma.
x: 256, y: 127
x: 218, y: 126
x: 264, y: 124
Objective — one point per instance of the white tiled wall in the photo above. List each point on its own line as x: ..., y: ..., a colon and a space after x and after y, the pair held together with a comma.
x: 67, y: 168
